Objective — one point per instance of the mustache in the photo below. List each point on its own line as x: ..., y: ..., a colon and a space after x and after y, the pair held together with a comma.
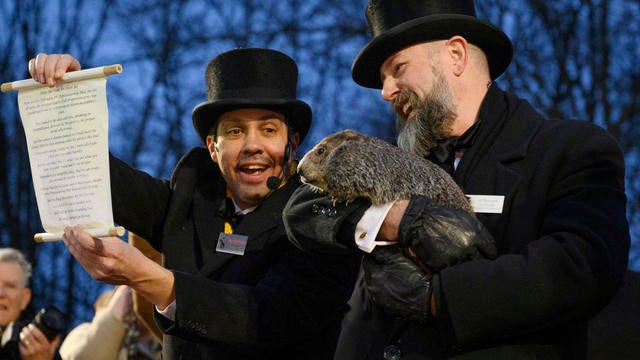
x: 256, y: 159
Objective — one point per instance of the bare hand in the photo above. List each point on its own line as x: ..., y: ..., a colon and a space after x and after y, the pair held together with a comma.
x: 391, y: 224
x: 35, y: 346
x: 106, y: 259
x: 49, y: 68
x: 116, y: 262
x: 121, y: 305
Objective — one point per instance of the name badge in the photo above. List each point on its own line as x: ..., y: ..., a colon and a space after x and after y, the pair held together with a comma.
x: 488, y: 204
x: 232, y: 243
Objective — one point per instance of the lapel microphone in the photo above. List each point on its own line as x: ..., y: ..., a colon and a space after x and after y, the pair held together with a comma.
x: 273, y: 182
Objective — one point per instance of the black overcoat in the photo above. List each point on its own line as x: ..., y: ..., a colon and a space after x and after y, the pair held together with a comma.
x: 562, y: 238
x: 273, y: 302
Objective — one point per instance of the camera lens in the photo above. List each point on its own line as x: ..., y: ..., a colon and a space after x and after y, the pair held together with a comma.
x: 50, y: 321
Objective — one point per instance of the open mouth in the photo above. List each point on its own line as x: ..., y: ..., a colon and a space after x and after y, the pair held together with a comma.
x: 404, y: 110
x: 407, y: 109
x: 252, y: 169
x: 252, y: 173
x: 403, y: 105
x: 307, y: 180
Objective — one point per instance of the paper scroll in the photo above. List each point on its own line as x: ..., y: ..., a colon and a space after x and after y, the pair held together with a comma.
x: 66, y: 128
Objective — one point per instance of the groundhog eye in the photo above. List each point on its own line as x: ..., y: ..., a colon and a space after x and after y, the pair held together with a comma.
x: 320, y: 151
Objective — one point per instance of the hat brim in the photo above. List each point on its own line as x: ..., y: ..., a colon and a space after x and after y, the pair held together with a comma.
x: 206, y: 114
x: 495, y: 44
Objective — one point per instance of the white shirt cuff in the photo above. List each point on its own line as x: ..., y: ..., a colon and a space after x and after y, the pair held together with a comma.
x: 369, y: 225
x: 169, y: 312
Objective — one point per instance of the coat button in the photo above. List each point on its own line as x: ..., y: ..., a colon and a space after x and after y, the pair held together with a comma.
x: 391, y: 352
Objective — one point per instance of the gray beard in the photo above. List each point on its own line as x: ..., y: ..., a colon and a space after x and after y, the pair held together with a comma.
x: 432, y: 118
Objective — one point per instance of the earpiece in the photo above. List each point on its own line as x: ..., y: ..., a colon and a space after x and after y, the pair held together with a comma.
x: 273, y: 182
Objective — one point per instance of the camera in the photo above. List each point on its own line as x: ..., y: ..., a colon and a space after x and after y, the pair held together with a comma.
x: 49, y: 320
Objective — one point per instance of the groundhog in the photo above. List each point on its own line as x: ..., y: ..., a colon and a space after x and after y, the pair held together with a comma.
x: 347, y: 165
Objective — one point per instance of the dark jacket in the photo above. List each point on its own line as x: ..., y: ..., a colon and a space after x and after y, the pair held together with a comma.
x: 562, y: 238
x: 9, y: 346
x: 273, y: 302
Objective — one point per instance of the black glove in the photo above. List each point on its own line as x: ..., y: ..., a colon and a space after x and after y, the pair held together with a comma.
x: 441, y: 236
x: 397, y: 284
x: 431, y: 237
x: 314, y: 222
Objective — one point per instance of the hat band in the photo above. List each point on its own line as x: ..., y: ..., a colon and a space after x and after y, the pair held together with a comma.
x: 250, y: 94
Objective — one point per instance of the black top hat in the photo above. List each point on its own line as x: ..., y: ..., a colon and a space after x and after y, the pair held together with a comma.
x: 244, y: 78
x: 395, y: 25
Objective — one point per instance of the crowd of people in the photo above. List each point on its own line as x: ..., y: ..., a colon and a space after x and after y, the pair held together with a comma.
x: 258, y: 265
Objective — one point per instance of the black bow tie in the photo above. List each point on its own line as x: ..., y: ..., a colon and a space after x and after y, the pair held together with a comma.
x: 227, y: 212
x: 444, y: 153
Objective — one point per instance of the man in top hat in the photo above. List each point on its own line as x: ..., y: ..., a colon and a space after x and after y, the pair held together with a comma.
x: 551, y: 192
x: 232, y: 285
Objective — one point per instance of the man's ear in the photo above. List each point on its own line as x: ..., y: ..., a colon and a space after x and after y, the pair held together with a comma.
x: 25, y: 299
x: 458, y: 51
x: 213, y: 148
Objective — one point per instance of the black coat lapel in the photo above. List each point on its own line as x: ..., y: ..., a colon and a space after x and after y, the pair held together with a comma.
x: 492, y: 165
x: 208, y: 223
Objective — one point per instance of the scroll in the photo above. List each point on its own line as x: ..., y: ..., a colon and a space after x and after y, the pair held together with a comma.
x: 66, y: 129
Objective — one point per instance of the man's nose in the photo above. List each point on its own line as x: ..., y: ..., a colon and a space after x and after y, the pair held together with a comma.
x: 252, y: 142
x: 390, y: 89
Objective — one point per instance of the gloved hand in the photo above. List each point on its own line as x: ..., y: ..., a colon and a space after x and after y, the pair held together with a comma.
x: 441, y: 236
x: 316, y: 223
x: 431, y: 237
x: 397, y: 284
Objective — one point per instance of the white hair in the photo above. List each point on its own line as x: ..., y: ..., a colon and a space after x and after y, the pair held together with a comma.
x: 14, y: 255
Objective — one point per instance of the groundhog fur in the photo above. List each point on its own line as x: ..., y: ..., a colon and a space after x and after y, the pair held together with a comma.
x: 347, y: 165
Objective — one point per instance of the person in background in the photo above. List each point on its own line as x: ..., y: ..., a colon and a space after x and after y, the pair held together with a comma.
x: 113, y: 333
x: 15, y: 315
x: 232, y: 285
x: 551, y: 192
